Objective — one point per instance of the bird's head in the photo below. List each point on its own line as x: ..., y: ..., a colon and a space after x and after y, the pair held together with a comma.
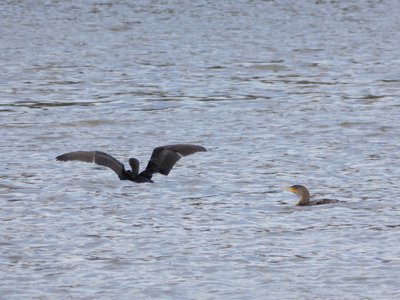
x: 301, y: 191
x: 134, y: 163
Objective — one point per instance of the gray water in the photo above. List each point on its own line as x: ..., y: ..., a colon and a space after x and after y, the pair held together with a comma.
x: 279, y: 92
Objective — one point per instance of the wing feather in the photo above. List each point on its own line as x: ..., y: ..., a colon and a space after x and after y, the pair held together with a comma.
x: 164, y: 158
x: 97, y: 157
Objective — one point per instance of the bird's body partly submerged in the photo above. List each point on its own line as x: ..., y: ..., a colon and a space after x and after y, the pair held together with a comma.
x: 304, y: 196
x: 162, y: 161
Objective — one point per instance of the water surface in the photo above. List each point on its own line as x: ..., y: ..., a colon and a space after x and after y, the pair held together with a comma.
x: 280, y: 92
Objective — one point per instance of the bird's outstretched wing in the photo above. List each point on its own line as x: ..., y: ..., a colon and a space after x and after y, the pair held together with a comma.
x: 97, y: 157
x: 164, y: 158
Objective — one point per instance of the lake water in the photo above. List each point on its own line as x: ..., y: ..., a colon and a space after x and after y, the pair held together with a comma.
x: 279, y: 92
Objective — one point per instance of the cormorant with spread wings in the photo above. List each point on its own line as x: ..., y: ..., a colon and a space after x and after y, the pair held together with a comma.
x: 162, y: 161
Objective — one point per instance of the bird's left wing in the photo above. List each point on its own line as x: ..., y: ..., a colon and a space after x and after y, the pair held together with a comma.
x: 97, y: 157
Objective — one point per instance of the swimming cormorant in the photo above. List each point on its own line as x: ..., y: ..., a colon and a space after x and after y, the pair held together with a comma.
x: 304, y: 196
x: 162, y: 161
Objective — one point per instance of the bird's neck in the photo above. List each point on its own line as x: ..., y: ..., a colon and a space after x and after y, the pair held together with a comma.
x: 304, y: 199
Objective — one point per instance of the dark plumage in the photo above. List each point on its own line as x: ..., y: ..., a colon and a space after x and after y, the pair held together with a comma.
x: 304, y: 196
x: 162, y: 161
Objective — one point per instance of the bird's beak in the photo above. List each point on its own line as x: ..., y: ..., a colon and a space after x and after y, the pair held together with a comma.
x: 289, y: 189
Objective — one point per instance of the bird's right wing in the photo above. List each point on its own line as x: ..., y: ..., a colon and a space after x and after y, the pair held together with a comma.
x: 97, y: 157
x: 164, y: 158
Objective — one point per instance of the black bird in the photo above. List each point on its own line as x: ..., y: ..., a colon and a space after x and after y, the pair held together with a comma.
x: 162, y: 161
x: 304, y: 196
